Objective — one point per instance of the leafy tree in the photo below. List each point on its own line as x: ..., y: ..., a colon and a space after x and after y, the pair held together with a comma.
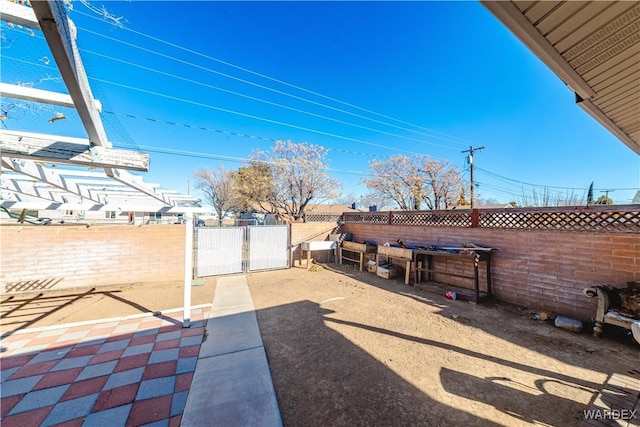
x: 218, y: 188
x: 294, y: 174
x: 408, y: 181
x: 255, y: 187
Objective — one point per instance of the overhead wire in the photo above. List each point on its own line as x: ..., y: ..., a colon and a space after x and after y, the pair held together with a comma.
x: 231, y: 133
x: 216, y: 130
x: 264, y: 101
x: 197, y: 154
x: 236, y: 112
x: 445, y: 136
x: 542, y: 186
x: 251, y: 116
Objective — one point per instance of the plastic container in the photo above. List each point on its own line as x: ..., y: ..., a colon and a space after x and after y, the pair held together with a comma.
x: 451, y: 295
x: 568, y: 323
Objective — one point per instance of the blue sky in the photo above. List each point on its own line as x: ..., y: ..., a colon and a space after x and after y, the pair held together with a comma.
x: 441, y: 76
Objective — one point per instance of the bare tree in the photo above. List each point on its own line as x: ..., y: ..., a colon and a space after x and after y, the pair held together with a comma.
x: 294, y: 174
x: 551, y: 198
x: 408, y: 181
x: 218, y: 188
x: 444, y: 183
x: 397, y: 179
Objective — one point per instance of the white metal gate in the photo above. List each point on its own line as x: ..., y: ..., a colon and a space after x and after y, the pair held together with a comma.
x: 228, y: 250
x: 268, y: 247
x: 219, y: 250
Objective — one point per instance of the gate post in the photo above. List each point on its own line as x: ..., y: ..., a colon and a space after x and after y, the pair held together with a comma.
x: 188, y: 270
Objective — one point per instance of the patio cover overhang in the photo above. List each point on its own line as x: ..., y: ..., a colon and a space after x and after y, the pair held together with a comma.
x: 37, y: 156
x: 31, y: 178
x: 594, y: 47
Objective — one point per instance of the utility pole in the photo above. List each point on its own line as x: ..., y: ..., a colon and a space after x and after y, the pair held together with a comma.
x: 470, y: 151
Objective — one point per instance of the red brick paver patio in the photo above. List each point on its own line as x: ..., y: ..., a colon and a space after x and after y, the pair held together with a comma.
x: 129, y: 371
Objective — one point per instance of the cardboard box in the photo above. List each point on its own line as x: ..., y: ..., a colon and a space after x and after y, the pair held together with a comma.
x: 387, y: 272
x: 372, y: 268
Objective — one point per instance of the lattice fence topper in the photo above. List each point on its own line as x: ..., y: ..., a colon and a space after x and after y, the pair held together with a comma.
x: 619, y: 218
x: 622, y: 218
x: 366, y: 217
x: 433, y: 218
x: 322, y: 217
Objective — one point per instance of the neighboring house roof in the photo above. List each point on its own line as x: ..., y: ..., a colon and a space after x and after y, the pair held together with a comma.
x: 326, y: 208
x: 315, y: 208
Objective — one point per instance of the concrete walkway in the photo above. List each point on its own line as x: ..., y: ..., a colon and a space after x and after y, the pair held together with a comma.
x: 232, y: 384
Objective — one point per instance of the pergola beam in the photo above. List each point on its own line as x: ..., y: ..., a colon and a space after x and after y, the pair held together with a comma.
x: 47, y: 205
x: 28, y: 188
x: 31, y: 94
x: 53, y: 178
x: 18, y: 14
x: 74, y: 151
x: 60, y: 34
x: 133, y: 181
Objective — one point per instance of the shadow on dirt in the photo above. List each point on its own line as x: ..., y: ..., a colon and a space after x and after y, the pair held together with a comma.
x: 21, y: 312
x: 358, y: 391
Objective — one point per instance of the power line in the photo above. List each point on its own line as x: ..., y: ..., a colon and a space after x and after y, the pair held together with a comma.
x: 445, y: 136
x: 196, y: 154
x: 210, y: 129
x: 250, y: 116
x: 253, y: 98
x: 513, y: 181
x: 226, y: 132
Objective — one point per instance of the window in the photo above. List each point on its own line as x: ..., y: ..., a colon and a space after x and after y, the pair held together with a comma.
x: 68, y: 213
x: 110, y: 214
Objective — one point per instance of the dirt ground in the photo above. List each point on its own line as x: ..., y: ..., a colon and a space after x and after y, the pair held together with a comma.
x: 347, y: 348
x: 33, y: 310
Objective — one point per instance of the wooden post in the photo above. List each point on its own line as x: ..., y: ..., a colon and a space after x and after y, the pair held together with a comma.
x: 475, y: 218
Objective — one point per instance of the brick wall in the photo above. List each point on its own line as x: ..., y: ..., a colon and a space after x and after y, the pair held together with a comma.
x: 544, y: 270
x: 306, y: 231
x: 57, y: 257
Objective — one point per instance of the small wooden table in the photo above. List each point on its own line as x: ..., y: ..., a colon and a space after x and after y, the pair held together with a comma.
x: 476, y: 257
x: 355, y: 249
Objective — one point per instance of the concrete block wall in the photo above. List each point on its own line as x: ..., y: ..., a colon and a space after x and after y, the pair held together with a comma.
x: 543, y: 270
x: 306, y: 231
x: 34, y: 258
